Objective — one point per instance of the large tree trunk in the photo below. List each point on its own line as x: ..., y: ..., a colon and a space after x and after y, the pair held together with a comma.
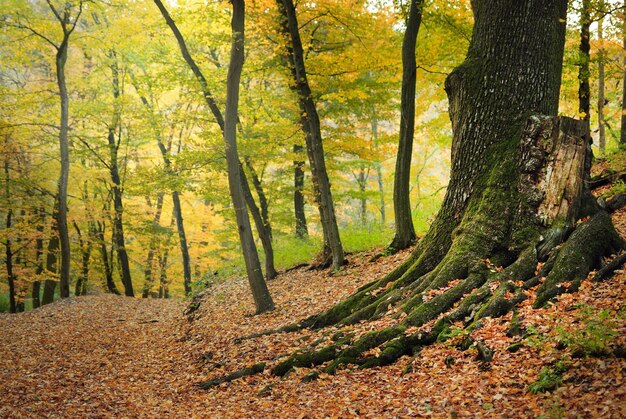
x: 260, y: 292
x: 405, y: 232
x: 311, y: 125
x: 517, y: 190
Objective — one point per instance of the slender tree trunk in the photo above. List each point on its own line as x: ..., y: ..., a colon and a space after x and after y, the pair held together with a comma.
x: 405, y: 232
x: 260, y: 292
x: 50, y: 285
x: 379, y: 174
x: 180, y: 225
x: 622, y: 140
x: 39, y: 257
x: 311, y: 125
x: 163, y: 282
x: 584, y: 91
x: 302, y: 232
x: 264, y: 206
x: 85, y: 247
x: 601, y: 123
x: 262, y: 228
x: 9, y: 263
x: 118, y: 206
x: 148, y: 274
x: 64, y: 238
x: 106, y: 261
x: 182, y: 239
x: 362, y: 182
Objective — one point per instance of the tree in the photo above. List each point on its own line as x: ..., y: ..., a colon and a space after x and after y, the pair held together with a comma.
x: 512, y: 201
x: 310, y: 122
x: 622, y: 141
x: 601, y: 58
x: 405, y: 232
x: 228, y: 124
x: 67, y: 17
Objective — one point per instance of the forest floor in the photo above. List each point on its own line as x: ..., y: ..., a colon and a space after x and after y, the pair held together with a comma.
x: 109, y: 356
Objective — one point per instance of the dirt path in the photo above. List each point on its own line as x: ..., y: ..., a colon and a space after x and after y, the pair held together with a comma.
x: 94, y: 355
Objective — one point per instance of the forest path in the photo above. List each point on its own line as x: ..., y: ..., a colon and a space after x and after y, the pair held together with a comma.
x: 85, y: 356
x: 111, y: 356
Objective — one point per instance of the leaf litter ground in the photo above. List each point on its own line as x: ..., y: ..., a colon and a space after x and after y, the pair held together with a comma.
x: 105, y: 356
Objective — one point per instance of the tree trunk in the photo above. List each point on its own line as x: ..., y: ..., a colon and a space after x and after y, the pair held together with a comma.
x: 260, y: 292
x: 39, y: 257
x: 311, y: 125
x: 163, y: 282
x: 405, y: 232
x: 262, y: 228
x: 106, y: 262
x: 118, y: 206
x: 302, y: 232
x: 182, y: 240
x: 51, y: 257
x: 9, y: 262
x: 148, y: 276
x: 180, y: 225
x: 379, y: 174
x: 64, y: 238
x: 601, y: 123
x: 622, y: 139
x: 517, y: 191
x: 362, y: 183
x: 584, y: 91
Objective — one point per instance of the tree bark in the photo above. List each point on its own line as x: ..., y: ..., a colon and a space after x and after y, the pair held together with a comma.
x: 302, y: 231
x: 405, y: 232
x: 601, y: 123
x: 311, y: 125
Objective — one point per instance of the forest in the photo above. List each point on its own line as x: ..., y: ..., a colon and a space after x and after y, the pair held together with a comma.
x: 346, y: 192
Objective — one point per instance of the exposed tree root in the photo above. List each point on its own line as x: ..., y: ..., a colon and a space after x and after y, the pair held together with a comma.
x: 480, y: 262
x: 610, y: 267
